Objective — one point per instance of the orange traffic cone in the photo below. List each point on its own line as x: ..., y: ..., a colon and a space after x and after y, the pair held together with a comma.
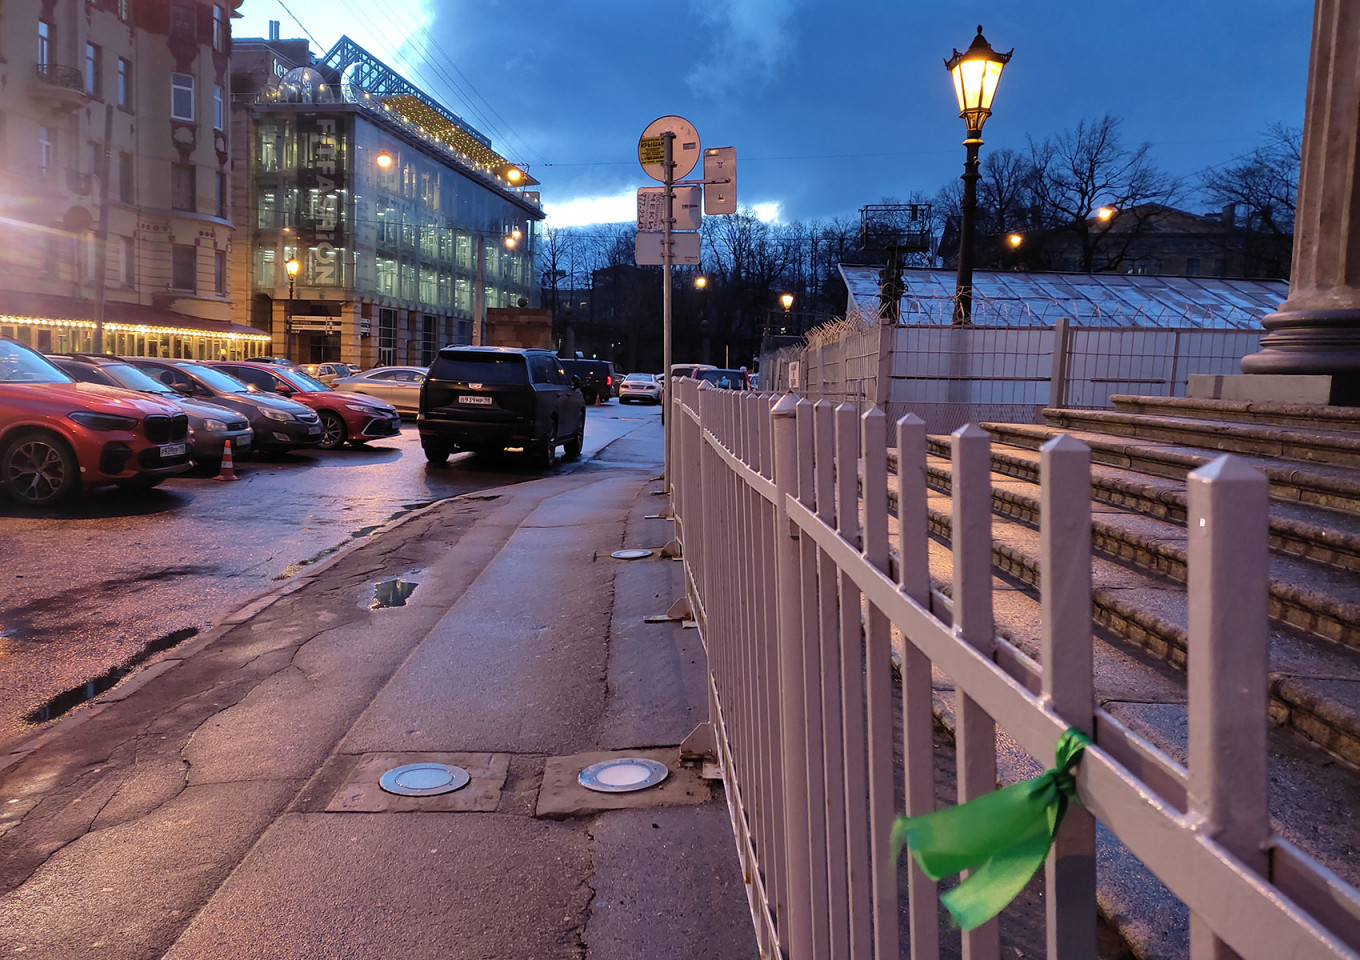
x: 227, y: 472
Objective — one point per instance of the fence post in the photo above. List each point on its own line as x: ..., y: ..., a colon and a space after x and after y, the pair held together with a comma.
x: 918, y: 746
x: 878, y: 686
x: 1065, y: 576
x: 971, y: 538
x: 1057, y: 379
x: 1228, y: 582
x: 795, y: 931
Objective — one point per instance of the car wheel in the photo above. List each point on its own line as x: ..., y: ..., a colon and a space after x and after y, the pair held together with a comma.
x: 38, y: 469
x: 436, y: 454
x: 543, y: 453
x: 333, y: 430
x: 572, y: 448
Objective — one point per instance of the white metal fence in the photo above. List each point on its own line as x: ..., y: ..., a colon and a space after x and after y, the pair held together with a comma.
x: 801, y: 583
x: 954, y: 375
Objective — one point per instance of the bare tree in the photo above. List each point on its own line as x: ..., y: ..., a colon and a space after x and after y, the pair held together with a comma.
x: 1263, y: 188
x: 1079, y: 171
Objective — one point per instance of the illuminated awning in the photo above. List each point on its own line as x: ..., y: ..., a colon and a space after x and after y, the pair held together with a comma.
x: 35, y: 309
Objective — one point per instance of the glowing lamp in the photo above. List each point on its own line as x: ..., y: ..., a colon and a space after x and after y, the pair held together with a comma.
x: 976, y: 73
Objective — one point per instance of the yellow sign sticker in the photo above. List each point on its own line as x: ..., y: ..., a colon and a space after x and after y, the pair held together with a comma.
x: 651, y: 150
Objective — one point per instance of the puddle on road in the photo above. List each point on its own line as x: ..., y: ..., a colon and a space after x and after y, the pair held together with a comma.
x: 90, y: 689
x: 392, y: 593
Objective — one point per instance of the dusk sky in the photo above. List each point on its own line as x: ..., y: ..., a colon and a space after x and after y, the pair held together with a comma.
x: 829, y: 106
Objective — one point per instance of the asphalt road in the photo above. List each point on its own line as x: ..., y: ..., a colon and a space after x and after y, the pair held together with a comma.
x: 116, y: 576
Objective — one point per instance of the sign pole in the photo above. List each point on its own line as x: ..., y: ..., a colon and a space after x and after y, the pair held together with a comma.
x: 668, y: 218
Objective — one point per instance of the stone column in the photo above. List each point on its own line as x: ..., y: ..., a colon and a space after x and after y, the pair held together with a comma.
x: 1317, y: 330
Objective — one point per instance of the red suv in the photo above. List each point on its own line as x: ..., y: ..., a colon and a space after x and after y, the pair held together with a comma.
x: 57, y: 435
x: 352, y: 418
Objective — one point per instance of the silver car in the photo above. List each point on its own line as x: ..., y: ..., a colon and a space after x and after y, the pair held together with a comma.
x: 399, y: 386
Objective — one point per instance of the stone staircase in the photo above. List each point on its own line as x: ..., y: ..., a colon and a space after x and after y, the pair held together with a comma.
x: 1141, y: 452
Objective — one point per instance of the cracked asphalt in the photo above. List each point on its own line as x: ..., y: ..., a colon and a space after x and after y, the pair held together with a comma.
x: 191, y: 812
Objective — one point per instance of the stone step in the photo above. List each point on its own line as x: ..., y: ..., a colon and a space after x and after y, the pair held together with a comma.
x: 1315, y: 684
x: 1321, y: 534
x: 1309, y: 446
x: 1312, y: 798
x: 1313, y: 597
x: 1316, y: 484
x: 1291, y: 416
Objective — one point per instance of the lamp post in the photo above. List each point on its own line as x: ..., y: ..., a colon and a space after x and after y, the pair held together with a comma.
x: 976, y: 73
x: 291, y: 266
x: 786, y: 300
x: 701, y: 284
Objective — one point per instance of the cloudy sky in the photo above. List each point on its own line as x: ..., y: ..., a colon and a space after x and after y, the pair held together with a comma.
x: 830, y: 105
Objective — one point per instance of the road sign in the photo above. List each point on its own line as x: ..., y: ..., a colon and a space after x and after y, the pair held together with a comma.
x: 684, y: 249
x: 684, y: 150
x: 720, y: 180
x: 651, y: 208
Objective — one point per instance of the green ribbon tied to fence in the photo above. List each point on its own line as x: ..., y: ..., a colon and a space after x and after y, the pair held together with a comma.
x: 1002, y: 837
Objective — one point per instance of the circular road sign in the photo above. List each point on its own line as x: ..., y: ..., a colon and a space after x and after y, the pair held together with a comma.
x: 684, y: 152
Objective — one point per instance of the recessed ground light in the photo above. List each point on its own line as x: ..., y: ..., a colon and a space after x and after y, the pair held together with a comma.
x: 634, y: 554
x: 623, y: 775
x: 424, y: 779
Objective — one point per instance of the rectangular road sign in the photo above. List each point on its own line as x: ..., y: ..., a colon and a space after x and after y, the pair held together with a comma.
x: 720, y: 180
x: 651, y: 150
x: 651, y: 208
x: 649, y: 246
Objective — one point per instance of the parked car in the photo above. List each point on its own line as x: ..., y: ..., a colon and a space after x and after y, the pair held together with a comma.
x: 490, y: 398
x: 58, y: 436
x: 640, y: 387
x: 210, y: 425
x: 597, y: 378
x: 281, y: 361
x: 279, y: 424
x: 345, y: 417
x: 687, y: 369
x: 399, y: 386
x: 727, y: 379
x: 328, y: 372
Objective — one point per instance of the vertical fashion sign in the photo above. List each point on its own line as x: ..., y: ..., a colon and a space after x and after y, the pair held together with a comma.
x: 321, y: 198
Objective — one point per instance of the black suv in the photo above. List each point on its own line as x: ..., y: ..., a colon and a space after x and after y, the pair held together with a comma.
x: 490, y: 398
x: 597, y: 378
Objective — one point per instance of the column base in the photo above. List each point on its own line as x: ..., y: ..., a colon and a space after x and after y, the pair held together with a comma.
x: 1312, y: 342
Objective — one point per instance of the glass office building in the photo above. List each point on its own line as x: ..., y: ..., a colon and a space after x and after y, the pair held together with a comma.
x: 402, y: 223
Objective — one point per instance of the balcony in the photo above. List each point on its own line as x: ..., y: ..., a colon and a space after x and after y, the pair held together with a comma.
x: 63, y: 87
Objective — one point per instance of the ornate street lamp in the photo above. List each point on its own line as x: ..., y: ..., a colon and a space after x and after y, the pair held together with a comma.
x: 976, y: 73
x: 291, y: 266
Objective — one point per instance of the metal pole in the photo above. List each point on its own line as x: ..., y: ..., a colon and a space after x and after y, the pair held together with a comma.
x: 668, y: 167
x: 963, y: 294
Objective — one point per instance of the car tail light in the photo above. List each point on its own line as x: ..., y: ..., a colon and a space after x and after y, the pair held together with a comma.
x: 608, y: 380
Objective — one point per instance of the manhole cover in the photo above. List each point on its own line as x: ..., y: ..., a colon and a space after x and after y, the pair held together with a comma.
x: 623, y: 775
x: 634, y: 554
x: 424, y: 779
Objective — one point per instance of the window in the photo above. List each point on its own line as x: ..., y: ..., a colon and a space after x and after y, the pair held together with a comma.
x: 182, y: 97
x: 127, y: 264
x: 126, y: 177
x: 47, y: 150
x: 124, y: 12
x: 219, y: 35
x: 220, y: 207
x: 184, y: 267
x: 182, y: 192
x: 265, y: 212
x: 94, y: 60
x: 124, y: 82
x: 220, y: 272
x: 217, y: 108
x: 44, y: 45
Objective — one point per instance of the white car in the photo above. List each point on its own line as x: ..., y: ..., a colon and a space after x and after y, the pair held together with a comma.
x: 641, y: 387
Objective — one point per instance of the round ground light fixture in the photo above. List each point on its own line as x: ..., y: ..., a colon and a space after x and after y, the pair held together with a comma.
x: 623, y: 775
x: 635, y: 553
x: 424, y: 779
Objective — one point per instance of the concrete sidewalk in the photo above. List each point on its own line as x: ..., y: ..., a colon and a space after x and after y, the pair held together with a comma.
x: 229, y: 806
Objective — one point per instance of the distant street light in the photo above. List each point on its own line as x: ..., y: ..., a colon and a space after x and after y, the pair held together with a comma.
x: 700, y: 282
x: 787, y: 300
x: 1104, y: 214
x: 291, y: 266
x: 976, y: 72
x: 384, y: 160
x: 1015, y: 240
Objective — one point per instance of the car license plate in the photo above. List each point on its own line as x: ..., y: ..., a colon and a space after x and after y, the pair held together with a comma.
x: 478, y: 401
x: 314, y: 431
x: 169, y: 450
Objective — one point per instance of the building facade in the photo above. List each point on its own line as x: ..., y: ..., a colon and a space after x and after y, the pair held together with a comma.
x: 403, y: 225
x: 115, y: 159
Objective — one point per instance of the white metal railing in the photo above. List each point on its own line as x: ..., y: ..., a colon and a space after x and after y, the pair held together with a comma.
x: 782, y: 510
